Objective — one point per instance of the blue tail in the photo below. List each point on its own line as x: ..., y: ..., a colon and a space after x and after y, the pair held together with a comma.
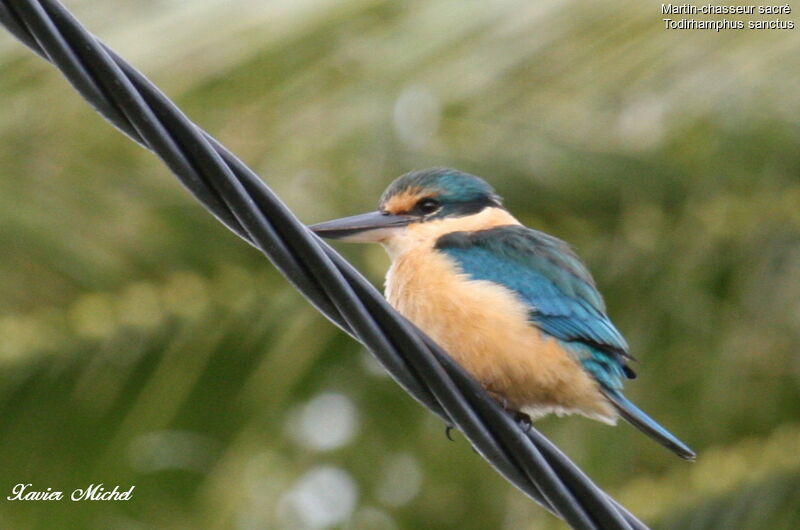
x: 633, y: 415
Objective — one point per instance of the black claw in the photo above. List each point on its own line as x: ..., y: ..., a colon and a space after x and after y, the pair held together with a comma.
x: 447, y: 430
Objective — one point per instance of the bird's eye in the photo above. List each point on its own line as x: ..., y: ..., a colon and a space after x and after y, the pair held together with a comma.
x: 428, y: 205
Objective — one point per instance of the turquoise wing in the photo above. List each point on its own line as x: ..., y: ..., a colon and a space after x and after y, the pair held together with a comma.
x: 563, y: 302
x: 547, y: 276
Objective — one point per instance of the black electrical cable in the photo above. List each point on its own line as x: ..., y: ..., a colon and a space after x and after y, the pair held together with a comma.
x: 241, y: 201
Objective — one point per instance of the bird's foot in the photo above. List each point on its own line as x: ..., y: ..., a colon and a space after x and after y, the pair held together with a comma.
x: 523, y: 420
x: 499, y: 398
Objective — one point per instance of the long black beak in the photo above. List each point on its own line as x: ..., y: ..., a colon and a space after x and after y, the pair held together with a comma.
x: 366, y: 227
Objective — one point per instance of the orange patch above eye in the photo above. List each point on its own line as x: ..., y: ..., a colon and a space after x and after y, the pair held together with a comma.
x: 404, y: 201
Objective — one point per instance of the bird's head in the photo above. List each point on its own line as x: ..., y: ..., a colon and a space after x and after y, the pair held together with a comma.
x: 429, y: 197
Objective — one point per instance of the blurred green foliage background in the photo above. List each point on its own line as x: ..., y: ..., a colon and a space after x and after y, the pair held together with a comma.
x: 142, y: 344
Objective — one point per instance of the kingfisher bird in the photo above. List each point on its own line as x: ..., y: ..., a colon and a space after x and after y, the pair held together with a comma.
x: 515, y: 307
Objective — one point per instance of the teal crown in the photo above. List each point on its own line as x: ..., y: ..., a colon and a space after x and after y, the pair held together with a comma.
x: 451, y: 187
